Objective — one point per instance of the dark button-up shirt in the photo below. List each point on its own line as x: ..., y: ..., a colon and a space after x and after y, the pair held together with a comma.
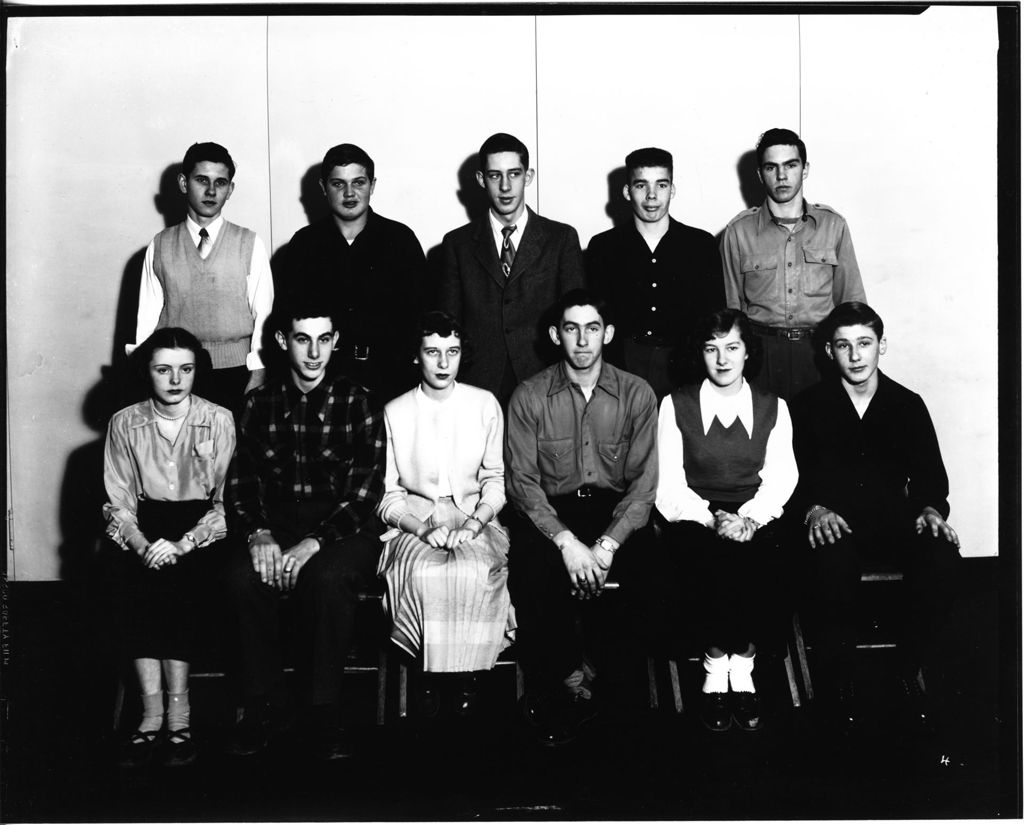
x: 374, y: 285
x: 656, y: 296
x: 556, y: 442
x: 873, y: 470
x: 327, y: 444
x: 789, y: 279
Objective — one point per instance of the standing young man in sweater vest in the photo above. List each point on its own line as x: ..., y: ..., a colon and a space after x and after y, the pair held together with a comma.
x: 210, y: 277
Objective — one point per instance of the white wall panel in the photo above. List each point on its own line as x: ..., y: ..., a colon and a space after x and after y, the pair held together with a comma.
x: 692, y: 84
x: 419, y: 94
x: 97, y: 109
x: 899, y: 119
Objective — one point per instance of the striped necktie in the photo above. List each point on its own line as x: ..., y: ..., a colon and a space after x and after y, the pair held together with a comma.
x: 508, y: 249
x: 204, y: 243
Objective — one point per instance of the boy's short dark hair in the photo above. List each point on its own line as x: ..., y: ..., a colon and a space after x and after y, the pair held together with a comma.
x: 342, y: 155
x: 647, y: 158
x: 295, y: 308
x: 849, y: 314
x: 501, y: 142
x: 168, y: 338
x: 779, y: 137
x: 212, y: 152
x: 580, y: 298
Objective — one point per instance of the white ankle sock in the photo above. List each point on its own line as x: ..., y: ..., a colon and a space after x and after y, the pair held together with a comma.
x: 152, y: 712
x: 178, y: 711
x: 716, y: 678
x: 741, y: 669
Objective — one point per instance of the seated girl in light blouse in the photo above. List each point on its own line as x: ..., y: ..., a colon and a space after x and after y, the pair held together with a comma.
x: 165, y: 463
x: 726, y: 468
x: 445, y: 560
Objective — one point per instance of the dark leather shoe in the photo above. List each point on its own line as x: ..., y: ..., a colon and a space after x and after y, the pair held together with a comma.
x: 552, y: 726
x: 250, y: 736
x: 428, y: 700
x: 332, y: 743
x: 715, y: 712
x: 919, y: 716
x: 746, y: 710
x: 137, y: 751
x: 467, y: 699
x: 179, y: 749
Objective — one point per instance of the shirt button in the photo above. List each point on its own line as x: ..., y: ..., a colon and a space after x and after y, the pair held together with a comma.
x: 654, y: 309
x: 790, y: 317
x: 790, y: 264
x: 654, y: 285
x: 171, y: 485
x: 654, y: 260
x: 791, y: 290
x: 789, y: 239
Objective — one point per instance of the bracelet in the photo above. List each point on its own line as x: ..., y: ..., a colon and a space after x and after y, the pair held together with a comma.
x: 810, y: 513
x: 259, y: 531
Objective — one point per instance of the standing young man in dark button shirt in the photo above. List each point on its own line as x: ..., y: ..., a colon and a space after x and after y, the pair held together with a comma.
x: 306, y: 479
x: 787, y: 264
x: 872, y: 487
x: 368, y: 269
x: 501, y: 274
x: 582, y: 471
x: 659, y: 274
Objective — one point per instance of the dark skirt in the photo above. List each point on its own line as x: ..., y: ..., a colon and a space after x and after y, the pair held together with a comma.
x: 161, y: 604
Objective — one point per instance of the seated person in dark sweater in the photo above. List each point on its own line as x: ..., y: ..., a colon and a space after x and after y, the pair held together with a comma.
x: 872, y: 488
x: 726, y: 468
x: 659, y: 274
x: 210, y: 277
x: 307, y: 477
x: 369, y: 271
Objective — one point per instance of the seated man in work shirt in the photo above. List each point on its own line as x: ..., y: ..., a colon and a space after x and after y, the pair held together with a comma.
x: 581, y: 465
x: 872, y: 488
x: 307, y: 476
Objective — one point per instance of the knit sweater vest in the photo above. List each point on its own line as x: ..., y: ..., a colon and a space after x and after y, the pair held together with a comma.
x: 207, y: 297
x: 725, y: 464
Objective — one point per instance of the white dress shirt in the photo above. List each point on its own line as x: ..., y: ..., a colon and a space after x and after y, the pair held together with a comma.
x: 676, y: 501
x: 516, y: 237
x: 259, y: 291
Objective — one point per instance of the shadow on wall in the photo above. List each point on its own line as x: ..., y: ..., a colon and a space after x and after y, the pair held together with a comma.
x: 751, y: 190
x: 617, y: 208
x: 314, y: 204
x: 474, y: 200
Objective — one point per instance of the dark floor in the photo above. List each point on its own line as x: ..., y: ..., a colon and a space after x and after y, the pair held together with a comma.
x: 630, y: 764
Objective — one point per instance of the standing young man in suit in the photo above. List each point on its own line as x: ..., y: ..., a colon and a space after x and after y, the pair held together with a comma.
x: 501, y: 274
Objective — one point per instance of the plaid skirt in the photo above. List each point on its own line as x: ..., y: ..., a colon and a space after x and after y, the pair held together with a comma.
x: 453, y: 605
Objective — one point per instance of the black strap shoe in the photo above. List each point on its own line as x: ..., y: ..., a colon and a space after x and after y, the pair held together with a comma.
x: 179, y: 749
x: 137, y: 751
x: 714, y: 711
x: 746, y: 710
x: 467, y: 699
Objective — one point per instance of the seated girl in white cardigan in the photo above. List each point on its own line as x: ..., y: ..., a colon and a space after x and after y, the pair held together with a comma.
x: 445, y: 560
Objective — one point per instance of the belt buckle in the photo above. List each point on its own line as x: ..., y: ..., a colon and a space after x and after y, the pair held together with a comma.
x: 794, y: 334
x: 361, y: 352
x: 584, y: 492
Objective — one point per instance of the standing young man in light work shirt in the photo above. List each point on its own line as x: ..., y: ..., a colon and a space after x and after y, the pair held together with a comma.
x: 788, y: 263
x: 211, y: 277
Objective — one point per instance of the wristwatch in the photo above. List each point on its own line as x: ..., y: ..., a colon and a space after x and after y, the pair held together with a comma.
x: 604, y: 544
x: 192, y: 539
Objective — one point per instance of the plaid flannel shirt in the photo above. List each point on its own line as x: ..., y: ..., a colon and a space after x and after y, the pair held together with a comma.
x: 324, y: 445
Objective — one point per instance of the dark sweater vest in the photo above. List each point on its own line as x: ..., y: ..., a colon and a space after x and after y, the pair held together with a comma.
x: 725, y: 464
x: 207, y: 297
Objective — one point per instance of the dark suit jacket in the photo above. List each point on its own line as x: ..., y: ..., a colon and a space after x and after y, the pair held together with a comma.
x: 507, y: 318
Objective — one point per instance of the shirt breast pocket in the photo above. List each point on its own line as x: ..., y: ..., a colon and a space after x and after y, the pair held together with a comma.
x: 819, y: 266
x: 759, y: 273
x: 613, y: 458
x: 555, y: 456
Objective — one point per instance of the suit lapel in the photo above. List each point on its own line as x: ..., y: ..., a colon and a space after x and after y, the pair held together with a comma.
x: 534, y: 237
x: 485, y: 251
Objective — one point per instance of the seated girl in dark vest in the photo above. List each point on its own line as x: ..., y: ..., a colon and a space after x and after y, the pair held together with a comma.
x: 726, y: 468
x: 165, y: 464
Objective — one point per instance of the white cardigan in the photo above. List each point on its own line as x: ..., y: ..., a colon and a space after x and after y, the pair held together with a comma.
x: 476, y: 469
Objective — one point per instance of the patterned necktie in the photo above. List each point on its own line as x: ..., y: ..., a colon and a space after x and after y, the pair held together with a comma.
x: 204, y: 243
x: 508, y: 249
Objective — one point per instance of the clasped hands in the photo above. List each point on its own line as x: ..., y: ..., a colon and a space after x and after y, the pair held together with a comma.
x: 280, y: 568
x: 734, y: 527
x: 587, y: 566
x: 162, y: 552
x: 442, y: 537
